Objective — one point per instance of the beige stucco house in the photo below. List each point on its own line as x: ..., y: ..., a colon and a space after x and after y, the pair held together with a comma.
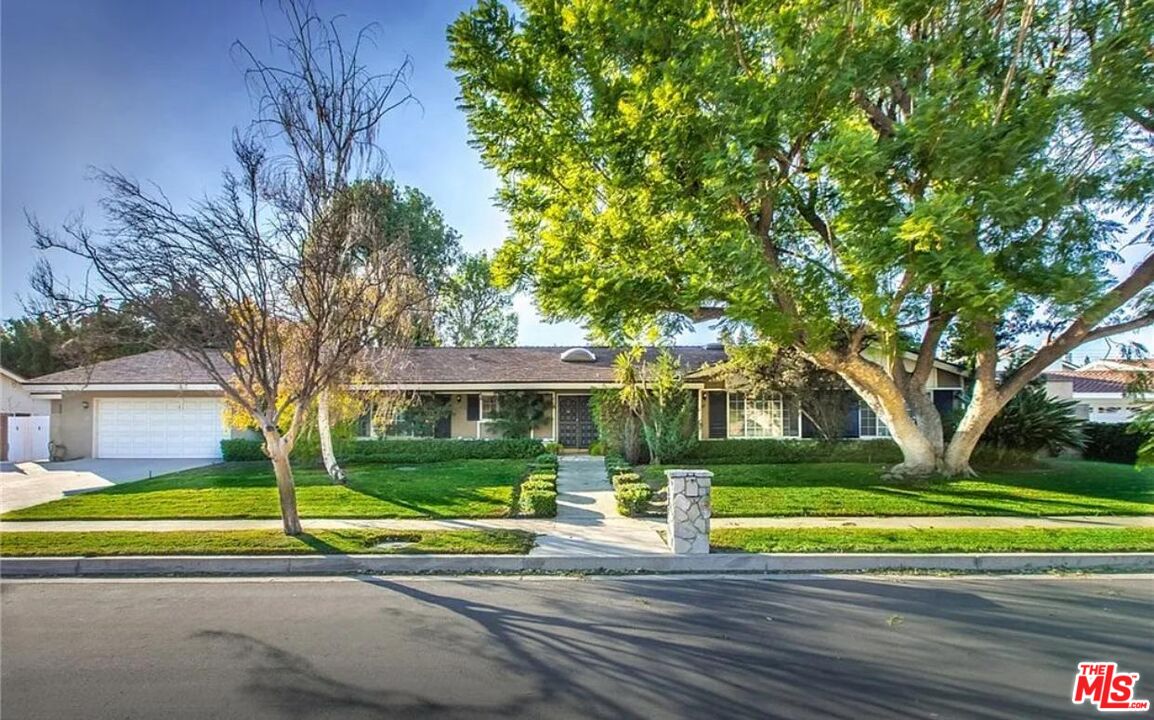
x: 157, y: 404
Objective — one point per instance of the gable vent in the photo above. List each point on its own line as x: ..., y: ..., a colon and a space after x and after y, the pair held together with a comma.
x: 578, y: 355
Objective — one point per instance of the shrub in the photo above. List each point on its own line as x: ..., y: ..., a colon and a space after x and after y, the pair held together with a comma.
x: 625, y: 478
x: 537, y: 502
x: 538, y: 483
x: 545, y: 459
x: 633, y: 498
x: 553, y: 448
x: 1114, y: 443
x: 546, y: 476
x: 437, y: 450
x: 597, y: 448
x: 1032, y: 421
x: 774, y: 450
x: 242, y: 449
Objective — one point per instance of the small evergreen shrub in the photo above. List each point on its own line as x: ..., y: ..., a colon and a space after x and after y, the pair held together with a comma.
x: 545, y: 459
x: 625, y: 478
x: 552, y: 448
x: 538, y: 483
x: 633, y: 498
x: 242, y: 449
x: 536, y: 502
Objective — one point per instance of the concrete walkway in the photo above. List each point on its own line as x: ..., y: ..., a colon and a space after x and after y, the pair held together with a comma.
x: 587, y: 522
x: 640, y: 531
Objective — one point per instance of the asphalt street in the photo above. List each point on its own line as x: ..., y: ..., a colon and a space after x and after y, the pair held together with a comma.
x: 605, y: 647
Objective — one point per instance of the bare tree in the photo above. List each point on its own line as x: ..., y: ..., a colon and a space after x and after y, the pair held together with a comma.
x: 276, y: 285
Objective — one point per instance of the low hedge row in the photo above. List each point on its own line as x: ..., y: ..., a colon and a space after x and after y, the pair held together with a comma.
x: 631, y: 493
x: 537, y: 492
x: 776, y: 450
x: 404, y: 451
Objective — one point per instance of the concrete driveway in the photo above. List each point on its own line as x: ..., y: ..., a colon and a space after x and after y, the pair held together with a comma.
x: 27, y: 484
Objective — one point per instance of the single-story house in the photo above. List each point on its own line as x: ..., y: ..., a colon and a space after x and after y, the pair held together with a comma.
x: 1105, y: 390
x: 158, y: 404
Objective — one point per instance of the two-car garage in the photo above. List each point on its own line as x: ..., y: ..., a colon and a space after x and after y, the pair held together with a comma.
x: 158, y: 427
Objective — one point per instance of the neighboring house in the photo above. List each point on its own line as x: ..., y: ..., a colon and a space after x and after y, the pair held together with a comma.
x: 157, y: 404
x: 1105, y: 390
x: 16, y: 401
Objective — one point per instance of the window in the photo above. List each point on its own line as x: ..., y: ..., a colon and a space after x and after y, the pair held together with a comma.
x: 365, y: 422
x: 869, y: 424
x: 472, y: 408
x: 761, y: 417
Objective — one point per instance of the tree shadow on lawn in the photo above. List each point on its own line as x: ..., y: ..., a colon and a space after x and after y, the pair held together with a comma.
x: 1129, y: 485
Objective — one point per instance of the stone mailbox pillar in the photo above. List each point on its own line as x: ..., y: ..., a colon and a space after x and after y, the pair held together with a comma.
x: 687, y: 524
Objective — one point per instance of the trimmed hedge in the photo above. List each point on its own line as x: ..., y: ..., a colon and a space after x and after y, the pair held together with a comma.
x: 424, y: 450
x: 625, y: 478
x: 1110, y: 442
x: 537, y: 503
x: 774, y: 450
x: 241, y: 450
x: 633, y: 498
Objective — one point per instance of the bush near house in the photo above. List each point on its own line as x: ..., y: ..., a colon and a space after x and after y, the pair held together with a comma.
x: 1110, y: 442
x: 402, y: 451
x: 241, y: 450
x: 776, y: 450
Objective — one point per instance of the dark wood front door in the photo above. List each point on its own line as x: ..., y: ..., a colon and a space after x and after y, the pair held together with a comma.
x: 575, y: 428
x: 718, y: 415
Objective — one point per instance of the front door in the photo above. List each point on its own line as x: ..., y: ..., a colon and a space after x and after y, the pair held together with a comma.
x: 575, y: 428
x: 718, y: 415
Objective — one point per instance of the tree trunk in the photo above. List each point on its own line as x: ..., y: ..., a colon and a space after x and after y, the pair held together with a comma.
x: 286, y: 488
x: 325, y: 432
x: 982, y: 409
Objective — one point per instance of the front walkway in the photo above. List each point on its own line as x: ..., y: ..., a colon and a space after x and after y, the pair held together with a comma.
x: 587, y: 522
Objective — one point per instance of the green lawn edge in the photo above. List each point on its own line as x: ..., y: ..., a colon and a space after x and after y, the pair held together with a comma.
x: 264, y: 542
x: 931, y: 540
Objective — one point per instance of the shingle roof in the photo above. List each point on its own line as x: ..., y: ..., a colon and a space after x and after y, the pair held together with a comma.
x: 445, y: 365
x: 154, y: 367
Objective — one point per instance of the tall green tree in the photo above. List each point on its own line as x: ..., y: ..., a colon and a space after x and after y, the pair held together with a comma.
x: 472, y: 311
x: 834, y: 176
x: 41, y: 343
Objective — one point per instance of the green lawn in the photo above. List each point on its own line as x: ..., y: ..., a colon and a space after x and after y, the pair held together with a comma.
x: 263, y: 542
x: 855, y: 489
x: 459, y: 489
x: 936, y: 540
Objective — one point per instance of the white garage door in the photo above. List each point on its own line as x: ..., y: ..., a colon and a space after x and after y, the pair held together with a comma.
x: 159, y: 427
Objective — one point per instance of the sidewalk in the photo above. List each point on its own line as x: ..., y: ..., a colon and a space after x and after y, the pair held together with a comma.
x: 585, y: 521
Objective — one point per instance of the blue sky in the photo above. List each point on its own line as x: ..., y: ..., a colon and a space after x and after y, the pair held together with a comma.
x: 152, y: 87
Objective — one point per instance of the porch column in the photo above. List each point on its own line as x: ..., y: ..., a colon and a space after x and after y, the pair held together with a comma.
x: 688, y: 512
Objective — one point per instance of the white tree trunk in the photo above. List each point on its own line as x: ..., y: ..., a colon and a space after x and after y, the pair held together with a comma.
x: 325, y: 432
x: 278, y: 452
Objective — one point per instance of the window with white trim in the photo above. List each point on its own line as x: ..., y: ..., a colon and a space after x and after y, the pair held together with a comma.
x: 767, y: 417
x: 869, y: 424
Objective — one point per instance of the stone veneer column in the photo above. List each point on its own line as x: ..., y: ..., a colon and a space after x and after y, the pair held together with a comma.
x: 687, y: 524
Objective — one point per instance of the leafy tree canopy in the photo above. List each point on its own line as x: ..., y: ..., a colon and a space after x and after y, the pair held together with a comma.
x: 472, y: 311
x: 828, y: 175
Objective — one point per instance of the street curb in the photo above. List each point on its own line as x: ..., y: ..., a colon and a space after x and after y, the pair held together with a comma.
x: 143, y: 566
